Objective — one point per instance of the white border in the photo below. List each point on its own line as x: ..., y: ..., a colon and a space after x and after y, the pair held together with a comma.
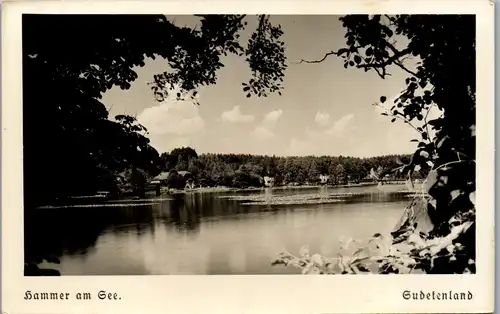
x: 244, y: 294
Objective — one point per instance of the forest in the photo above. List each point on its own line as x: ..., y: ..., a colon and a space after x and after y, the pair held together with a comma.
x: 245, y: 170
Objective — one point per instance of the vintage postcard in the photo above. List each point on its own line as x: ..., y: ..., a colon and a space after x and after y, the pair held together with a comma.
x: 248, y: 157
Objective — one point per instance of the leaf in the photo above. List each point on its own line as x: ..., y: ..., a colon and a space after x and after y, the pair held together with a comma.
x: 383, y: 99
x: 306, y: 269
x: 248, y: 95
x: 441, y: 142
x: 435, y: 122
x: 363, y: 269
x: 384, y: 114
x: 342, y: 51
x: 424, y: 154
x: 473, y: 130
x: 431, y: 179
x: 357, y: 59
x: 354, y: 269
x: 369, y: 51
x: 472, y: 198
x: 454, y: 194
x: 304, y: 251
x: 340, y: 263
x: 358, y: 251
x: 317, y: 259
x: 246, y: 88
x: 393, y: 120
x: 414, y: 140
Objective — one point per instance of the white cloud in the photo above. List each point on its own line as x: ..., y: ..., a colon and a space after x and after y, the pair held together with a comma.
x: 314, y: 143
x: 341, y: 126
x: 235, y: 116
x: 262, y: 133
x: 273, y: 116
x: 334, y: 140
x: 322, y: 118
x: 172, y: 117
x: 319, y: 144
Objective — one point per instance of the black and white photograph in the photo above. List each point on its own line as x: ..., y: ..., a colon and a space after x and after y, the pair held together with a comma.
x: 249, y: 144
x: 247, y: 157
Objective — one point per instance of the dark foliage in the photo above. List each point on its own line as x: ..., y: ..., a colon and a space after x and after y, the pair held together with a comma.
x: 443, y: 47
x: 69, y: 61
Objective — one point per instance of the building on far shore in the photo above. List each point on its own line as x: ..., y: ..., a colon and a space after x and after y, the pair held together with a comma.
x: 162, y: 178
x: 185, y: 177
x: 268, y: 181
x: 323, y: 178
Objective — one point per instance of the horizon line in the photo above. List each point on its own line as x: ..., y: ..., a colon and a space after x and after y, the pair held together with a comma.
x: 283, y: 156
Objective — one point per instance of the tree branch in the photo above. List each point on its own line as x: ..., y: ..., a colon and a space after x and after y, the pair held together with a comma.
x: 425, y: 119
x: 378, y: 67
x: 394, y: 59
x: 318, y: 61
x: 398, y: 54
x: 397, y: 117
x: 404, y: 68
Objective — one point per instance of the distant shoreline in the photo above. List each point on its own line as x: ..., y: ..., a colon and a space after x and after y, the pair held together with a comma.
x: 218, y: 190
x: 250, y: 189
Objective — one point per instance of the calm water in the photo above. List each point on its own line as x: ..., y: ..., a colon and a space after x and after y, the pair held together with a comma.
x: 205, y: 234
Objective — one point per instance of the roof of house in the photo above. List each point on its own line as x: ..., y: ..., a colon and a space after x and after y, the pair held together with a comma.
x: 162, y: 176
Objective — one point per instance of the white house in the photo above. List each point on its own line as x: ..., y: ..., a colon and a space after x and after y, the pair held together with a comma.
x: 268, y: 181
x: 323, y: 178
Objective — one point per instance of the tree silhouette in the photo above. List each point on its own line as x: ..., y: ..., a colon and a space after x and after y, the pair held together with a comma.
x: 69, y: 61
x: 443, y: 47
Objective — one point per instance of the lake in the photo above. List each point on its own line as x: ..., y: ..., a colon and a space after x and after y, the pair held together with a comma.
x: 206, y: 233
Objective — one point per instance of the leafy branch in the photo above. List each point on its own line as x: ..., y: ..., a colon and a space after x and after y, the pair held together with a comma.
x: 395, y: 116
x: 437, y: 229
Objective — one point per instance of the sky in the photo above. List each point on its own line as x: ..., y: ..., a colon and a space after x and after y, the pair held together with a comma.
x: 324, y: 109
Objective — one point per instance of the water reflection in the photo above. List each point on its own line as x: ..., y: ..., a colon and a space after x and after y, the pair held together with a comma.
x: 201, y: 233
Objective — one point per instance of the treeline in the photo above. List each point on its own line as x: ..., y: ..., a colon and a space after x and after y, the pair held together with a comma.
x: 245, y: 170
